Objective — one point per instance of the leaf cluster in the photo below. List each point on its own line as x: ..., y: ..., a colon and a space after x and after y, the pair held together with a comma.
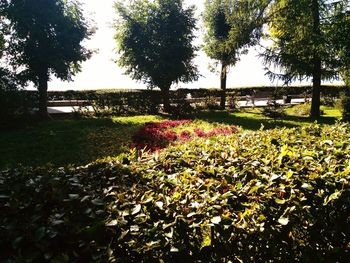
x: 268, y: 196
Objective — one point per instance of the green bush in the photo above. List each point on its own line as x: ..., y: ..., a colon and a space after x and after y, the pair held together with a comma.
x: 345, y: 105
x: 268, y: 196
x: 301, y: 109
x: 16, y: 105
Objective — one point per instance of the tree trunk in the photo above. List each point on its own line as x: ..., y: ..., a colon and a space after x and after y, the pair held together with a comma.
x: 316, y: 89
x: 223, y: 80
x: 317, y: 63
x: 166, y: 98
x: 42, y: 88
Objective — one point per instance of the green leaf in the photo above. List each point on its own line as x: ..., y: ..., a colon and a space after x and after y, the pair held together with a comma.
x: 16, y: 242
x: 332, y: 197
x: 112, y: 223
x: 283, y: 221
x: 216, y: 220
x: 64, y: 258
x: 136, y: 209
x: 160, y: 204
x: 39, y: 234
x: 254, y: 189
x: 207, y: 238
x: 98, y: 202
x: 280, y: 201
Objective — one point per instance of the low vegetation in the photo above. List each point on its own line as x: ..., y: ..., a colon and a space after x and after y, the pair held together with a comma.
x: 279, y: 195
x: 80, y: 141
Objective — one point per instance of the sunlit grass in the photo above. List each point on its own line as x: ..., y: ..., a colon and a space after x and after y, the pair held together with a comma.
x: 80, y: 141
x: 63, y: 142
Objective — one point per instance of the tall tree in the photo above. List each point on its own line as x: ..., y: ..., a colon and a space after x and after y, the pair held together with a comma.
x: 2, y: 26
x: 46, y: 40
x: 232, y: 26
x: 155, y: 43
x: 304, y: 45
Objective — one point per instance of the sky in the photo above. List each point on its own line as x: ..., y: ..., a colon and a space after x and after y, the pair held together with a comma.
x: 101, y: 72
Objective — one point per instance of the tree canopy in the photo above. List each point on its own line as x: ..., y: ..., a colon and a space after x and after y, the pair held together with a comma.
x: 154, y: 41
x: 231, y: 27
x: 46, y: 39
x: 307, y: 42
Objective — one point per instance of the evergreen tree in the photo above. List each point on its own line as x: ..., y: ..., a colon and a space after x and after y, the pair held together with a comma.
x: 304, y: 42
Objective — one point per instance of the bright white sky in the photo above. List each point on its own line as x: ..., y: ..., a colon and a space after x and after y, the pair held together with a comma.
x: 100, y: 72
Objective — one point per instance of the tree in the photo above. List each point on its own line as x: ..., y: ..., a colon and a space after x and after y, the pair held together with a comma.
x: 304, y: 44
x: 2, y: 27
x: 155, y: 43
x: 46, y: 40
x: 231, y: 27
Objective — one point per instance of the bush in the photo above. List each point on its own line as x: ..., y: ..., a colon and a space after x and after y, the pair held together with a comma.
x: 16, y: 106
x: 267, y: 196
x: 154, y: 136
x: 345, y: 105
x: 301, y: 109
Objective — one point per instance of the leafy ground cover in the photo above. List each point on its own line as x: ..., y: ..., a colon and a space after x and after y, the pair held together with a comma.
x: 80, y: 141
x: 280, y: 195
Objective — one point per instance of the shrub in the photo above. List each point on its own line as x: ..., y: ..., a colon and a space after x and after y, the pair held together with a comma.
x: 156, y: 135
x: 301, y: 109
x: 267, y: 196
x: 15, y: 105
x: 345, y: 105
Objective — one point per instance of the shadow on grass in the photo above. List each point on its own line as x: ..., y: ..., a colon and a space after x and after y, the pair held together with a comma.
x: 64, y: 142
x: 254, y: 121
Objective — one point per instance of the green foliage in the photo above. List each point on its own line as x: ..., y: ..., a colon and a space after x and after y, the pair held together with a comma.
x: 155, y: 42
x: 345, y: 105
x: 15, y: 109
x: 126, y: 103
x: 300, y: 110
x: 309, y: 41
x: 217, y: 42
x: 275, y: 196
x: 15, y: 105
x: 345, y: 74
x: 231, y: 27
x: 47, y: 34
x: 68, y: 142
x: 52, y: 215
x: 46, y: 39
x: 300, y: 37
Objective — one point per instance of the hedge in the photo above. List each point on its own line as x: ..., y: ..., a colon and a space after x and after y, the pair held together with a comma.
x: 135, y: 102
x: 333, y: 91
x: 268, y: 196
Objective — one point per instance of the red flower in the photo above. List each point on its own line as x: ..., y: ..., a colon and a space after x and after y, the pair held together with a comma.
x: 185, y: 135
x: 154, y: 135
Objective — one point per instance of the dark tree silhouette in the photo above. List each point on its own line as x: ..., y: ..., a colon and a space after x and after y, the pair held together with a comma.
x: 46, y: 39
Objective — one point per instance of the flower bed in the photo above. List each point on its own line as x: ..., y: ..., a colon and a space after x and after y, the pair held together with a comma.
x: 154, y: 136
x: 280, y: 195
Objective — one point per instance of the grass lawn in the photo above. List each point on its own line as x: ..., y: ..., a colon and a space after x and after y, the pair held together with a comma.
x: 64, y: 142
